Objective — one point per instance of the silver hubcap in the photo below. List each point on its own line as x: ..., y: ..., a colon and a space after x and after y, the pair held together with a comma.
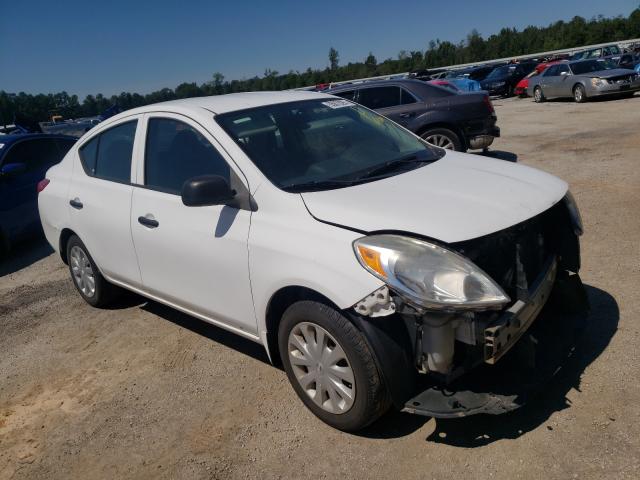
x: 538, y: 94
x: 321, y: 368
x: 82, y: 271
x: 439, y: 140
x: 578, y: 94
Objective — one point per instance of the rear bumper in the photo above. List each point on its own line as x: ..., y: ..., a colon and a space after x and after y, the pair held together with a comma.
x: 538, y: 353
x: 481, y: 134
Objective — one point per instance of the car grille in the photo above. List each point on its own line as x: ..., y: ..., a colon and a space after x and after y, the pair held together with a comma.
x: 516, y: 256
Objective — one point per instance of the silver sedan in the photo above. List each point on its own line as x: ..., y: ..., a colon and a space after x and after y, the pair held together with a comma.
x: 582, y: 80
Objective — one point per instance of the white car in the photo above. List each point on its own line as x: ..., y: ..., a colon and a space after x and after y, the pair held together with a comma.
x: 362, y: 258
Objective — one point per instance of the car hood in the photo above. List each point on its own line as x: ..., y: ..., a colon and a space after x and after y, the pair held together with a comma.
x: 616, y: 72
x: 456, y: 198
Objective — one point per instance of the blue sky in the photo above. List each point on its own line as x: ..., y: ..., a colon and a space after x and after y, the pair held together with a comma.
x: 137, y: 46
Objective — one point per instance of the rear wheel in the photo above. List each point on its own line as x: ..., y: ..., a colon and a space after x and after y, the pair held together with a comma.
x: 443, y: 138
x: 579, y: 94
x: 330, y: 366
x: 538, y: 96
x: 89, y: 282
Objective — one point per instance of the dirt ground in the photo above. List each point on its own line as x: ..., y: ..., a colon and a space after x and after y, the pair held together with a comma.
x: 143, y: 391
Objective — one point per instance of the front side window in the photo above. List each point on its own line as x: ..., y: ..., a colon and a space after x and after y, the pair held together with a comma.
x: 348, y: 94
x: 108, y: 155
x: 379, y: 97
x: 551, y: 71
x: 304, y: 146
x: 563, y: 69
x: 406, y: 98
x: 176, y: 152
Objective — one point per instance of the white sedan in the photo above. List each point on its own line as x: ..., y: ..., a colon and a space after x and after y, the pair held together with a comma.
x: 375, y: 267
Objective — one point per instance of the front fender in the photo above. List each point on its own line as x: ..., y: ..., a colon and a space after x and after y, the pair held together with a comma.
x: 288, y: 247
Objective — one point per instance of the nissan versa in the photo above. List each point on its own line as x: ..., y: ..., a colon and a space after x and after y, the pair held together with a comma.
x: 378, y: 269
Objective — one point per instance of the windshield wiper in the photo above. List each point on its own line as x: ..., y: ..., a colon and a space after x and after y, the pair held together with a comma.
x: 394, y: 165
x: 317, y: 185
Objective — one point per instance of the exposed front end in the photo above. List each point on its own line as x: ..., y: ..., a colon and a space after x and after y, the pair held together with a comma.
x: 511, y: 277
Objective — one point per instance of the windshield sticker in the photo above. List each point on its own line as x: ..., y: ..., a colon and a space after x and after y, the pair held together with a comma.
x: 338, y: 103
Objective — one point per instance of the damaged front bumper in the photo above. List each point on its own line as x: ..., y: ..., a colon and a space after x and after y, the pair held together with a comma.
x: 453, y: 364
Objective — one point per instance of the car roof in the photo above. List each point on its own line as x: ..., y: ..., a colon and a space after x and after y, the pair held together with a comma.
x: 7, y: 140
x: 230, y: 102
x: 377, y: 83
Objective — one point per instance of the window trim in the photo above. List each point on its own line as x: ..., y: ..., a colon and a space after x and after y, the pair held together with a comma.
x: 99, y: 134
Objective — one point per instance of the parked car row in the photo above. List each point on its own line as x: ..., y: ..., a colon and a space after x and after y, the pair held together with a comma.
x: 583, y: 79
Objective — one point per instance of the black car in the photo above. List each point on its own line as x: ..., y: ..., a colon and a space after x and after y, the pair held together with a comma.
x: 440, y: 116
x: 503, y: 80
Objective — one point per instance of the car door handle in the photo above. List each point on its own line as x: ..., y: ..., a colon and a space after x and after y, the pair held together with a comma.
x: 148, y: 222
x: 76, y: 203
x: 407, y: 115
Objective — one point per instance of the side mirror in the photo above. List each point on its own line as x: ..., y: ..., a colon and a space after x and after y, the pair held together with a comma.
x: 207, y: 190
x: 564, y: 74
x: 12, y: 169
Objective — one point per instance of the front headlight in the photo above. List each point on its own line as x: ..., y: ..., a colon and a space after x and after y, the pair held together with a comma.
x: 574, y: 213
x: 598, y: 82
x: 428, y: 275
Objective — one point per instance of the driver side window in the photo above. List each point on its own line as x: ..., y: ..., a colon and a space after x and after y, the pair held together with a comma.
x: 176, y: 152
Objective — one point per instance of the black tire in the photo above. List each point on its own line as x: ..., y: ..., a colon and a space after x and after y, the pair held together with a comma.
x: 538, y: 95
x: 371, y: 399
x: 452, y: 138
x: 104, y: 292
x: 579, y: 94
x: 509, y: 92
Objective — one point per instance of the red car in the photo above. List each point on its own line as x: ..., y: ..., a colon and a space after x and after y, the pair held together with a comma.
x: 521, y: 87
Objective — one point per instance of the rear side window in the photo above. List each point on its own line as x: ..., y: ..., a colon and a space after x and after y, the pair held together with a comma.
x: 108, y: 156
x: 176, y: 152
x: 379, y: 97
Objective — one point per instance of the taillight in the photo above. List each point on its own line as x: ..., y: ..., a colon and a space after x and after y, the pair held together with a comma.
x: 42, y: 184
x: 488, y: 103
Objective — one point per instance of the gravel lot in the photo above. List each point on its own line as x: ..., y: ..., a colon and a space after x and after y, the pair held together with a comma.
x: 144, y: 391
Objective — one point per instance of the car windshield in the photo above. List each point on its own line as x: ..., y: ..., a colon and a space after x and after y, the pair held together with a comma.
x: 500, y: 72
x: 589, y: 66
x: 323, y: 144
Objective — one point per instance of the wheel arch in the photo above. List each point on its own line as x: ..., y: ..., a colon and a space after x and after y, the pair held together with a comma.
x: 65, y: 235
x: 278, y: 304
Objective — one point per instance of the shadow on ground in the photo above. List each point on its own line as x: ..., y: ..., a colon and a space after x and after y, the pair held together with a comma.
x: 501, y: 155
x: 200, y: 327
x: 24, y: 254
x: 480, y: 430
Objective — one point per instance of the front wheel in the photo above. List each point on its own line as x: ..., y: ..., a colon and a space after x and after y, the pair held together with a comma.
x: 331, y: 366
x: 579, y: 94
x: 443, y: 138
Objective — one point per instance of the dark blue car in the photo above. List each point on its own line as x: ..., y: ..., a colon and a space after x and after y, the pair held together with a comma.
x: 24, y: 160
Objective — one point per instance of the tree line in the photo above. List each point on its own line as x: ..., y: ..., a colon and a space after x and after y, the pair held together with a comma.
x: 509, y: 42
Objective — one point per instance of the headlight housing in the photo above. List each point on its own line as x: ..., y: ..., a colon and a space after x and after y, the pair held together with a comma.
x: 428, y: 275
x: 574, y: 213
x: 598, y: 82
